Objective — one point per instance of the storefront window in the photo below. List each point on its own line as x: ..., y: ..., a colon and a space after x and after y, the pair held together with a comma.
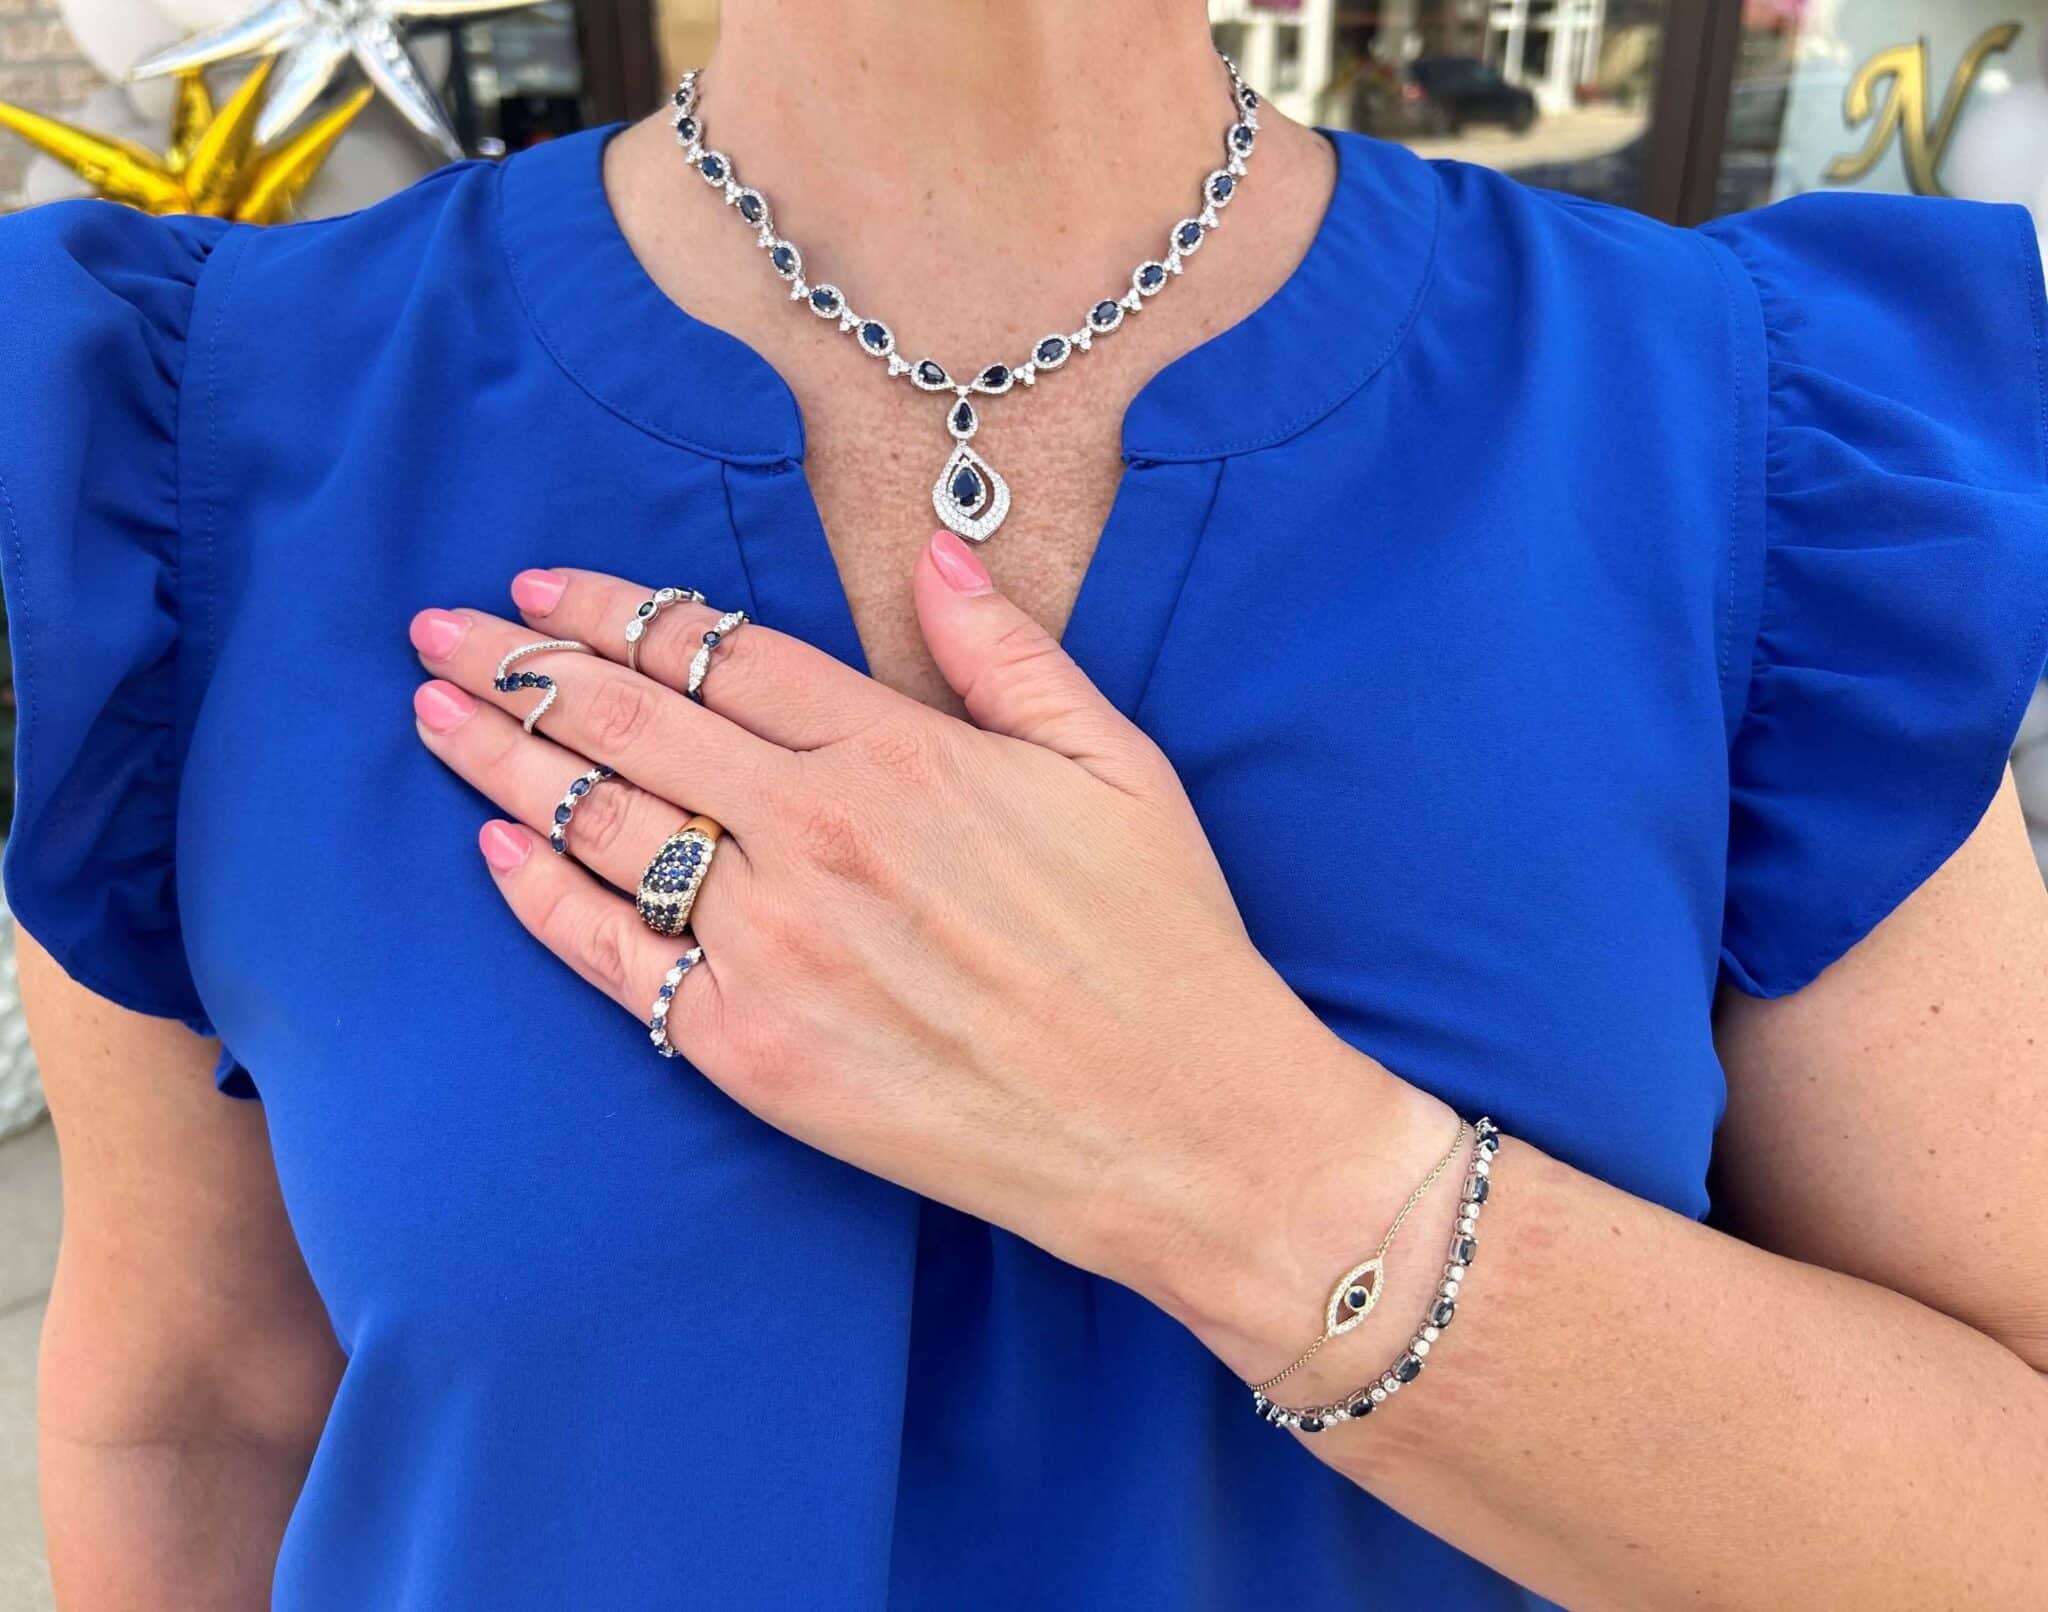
x: 1557, y: 92
x: 1946, y: 99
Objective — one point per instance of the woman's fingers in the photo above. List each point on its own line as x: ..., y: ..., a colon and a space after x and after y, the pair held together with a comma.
x: 614, y: 826
x: 631, y: 723
x: 779, y: 687
x: 1013, y: 676
x: 599, y: 936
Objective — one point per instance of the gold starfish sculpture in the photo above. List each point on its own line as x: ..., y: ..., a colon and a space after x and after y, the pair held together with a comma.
x: 212, y: 165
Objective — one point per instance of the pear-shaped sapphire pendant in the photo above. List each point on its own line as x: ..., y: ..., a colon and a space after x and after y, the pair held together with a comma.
x: 968, y: 497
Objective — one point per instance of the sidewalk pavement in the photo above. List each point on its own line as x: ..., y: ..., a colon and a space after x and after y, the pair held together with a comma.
x: 28, y: 1252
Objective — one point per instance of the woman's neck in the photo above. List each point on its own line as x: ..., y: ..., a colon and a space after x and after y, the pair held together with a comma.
x: 979, y: 123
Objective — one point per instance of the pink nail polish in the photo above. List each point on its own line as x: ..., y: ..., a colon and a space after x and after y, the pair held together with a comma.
x: 538, y: 592
x: 504, y: 847
x: 442, y: 706
x: 435, y: 633
x: 956, y: 562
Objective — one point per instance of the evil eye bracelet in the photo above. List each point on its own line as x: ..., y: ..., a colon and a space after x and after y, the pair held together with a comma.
x: 1362, y: 1402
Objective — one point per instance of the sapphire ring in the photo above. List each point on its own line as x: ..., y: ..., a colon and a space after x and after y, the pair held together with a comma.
x: 643, y: 618
x: 700, y: 663
x: 657, y: 1018
x: 668, y: 889
x: 505, y: 680
x: 558, y: 830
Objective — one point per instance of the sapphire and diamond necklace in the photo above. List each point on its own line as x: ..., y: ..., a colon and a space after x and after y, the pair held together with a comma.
x: 968, y: 495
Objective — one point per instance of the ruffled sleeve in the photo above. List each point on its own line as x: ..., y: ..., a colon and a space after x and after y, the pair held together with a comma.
x: 95, y: 307
x: 1900, y: 595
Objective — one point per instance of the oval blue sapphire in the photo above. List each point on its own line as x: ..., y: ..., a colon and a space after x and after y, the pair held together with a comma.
x: 931, y: 374
x: 963, y: 417
x: 966, y: 487
x: 1152, y: 276
x: 712, y: 167
x: 1051, y: 350
x: 1241, y: 137
x: 711, y: 640
x: 561, y: 814
x: 874, y: 336
x: 1190, y: 236
x: 750, y: 208
x: 995, y: 375
x: 1103, y: 313
x: 580, y: 787
x: 784, y: 260
x: 1221, y: 186
x: 825, y: 299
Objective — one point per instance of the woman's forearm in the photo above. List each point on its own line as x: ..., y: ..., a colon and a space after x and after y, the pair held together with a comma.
x: 1630, y: 1409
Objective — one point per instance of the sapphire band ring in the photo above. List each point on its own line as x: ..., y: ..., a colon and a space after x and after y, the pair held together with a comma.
x: 657, y: 1018
x: 668, y: 889
x: 505, y: 680
x: 643, y: 618
x: 558, y: 829
x: 700, y: 663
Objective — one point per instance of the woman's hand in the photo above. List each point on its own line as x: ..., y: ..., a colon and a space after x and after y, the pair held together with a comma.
x: 996, y: 964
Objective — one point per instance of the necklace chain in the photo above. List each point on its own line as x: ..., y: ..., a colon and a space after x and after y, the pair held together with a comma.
x: 969, y: 496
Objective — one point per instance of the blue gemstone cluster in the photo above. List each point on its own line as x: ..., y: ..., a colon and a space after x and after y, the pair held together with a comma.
x: 516, y: 680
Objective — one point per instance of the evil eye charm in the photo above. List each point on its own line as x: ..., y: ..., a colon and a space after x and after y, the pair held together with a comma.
x: 1356, y: 1292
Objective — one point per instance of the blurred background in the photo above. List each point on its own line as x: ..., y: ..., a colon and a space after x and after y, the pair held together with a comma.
x: 1682, y: 109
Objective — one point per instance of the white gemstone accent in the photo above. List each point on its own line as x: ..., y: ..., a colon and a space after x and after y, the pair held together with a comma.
x: 1027, y: 373
x: 898, y: 365
x: 1131, y: 300
x: 1207, y: 218
x: 847, y: 320
x: 1431, y: 1334
x: 1448, y: 1287
x: 1418, y: 1346
x: 1235, y: 167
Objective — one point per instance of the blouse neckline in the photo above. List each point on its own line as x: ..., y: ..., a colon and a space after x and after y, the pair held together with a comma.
x: 1324, y: 333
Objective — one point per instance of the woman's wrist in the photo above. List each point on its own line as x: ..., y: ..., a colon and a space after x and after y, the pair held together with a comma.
x: 1328, y: 1148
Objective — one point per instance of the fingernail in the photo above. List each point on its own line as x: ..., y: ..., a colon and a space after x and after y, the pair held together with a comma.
x: 538, y: 592
x: 504, y: 847
x: 435, y: 633
x: 442, y: 706
x: 964, y: 573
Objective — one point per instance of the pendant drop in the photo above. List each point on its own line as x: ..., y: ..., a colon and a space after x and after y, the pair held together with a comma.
x: 969, y: 497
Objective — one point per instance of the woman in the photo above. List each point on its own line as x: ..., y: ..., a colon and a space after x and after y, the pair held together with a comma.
x: 1511, y: 620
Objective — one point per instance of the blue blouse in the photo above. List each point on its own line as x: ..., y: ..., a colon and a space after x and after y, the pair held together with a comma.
x: 1613, y: 608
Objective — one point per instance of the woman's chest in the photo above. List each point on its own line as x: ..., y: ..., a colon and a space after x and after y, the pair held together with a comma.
x: 876, y: 455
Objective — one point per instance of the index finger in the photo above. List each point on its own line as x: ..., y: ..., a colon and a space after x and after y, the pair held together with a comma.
x: 781, y: 688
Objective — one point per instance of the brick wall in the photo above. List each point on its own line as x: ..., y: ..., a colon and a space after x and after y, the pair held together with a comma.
x: 40, y: 68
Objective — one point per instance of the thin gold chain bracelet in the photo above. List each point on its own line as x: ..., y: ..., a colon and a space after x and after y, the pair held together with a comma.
x: 1358, y: 1289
